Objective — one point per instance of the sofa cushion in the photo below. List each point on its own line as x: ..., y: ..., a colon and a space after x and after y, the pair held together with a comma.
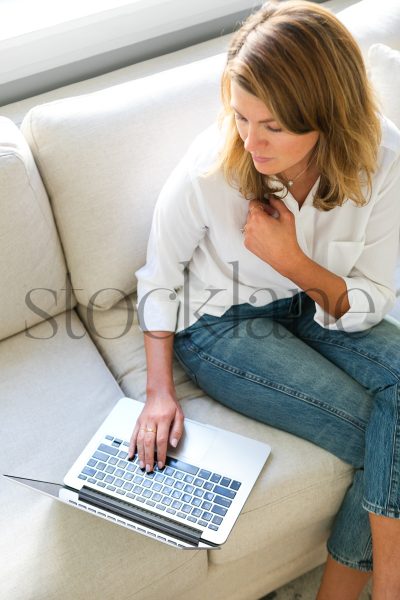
x: 384, y: 72
x: 31, y: 259
x: 301, y: 486
x: 54, y: 394
x: 104, y: 158
x: 370, y: 25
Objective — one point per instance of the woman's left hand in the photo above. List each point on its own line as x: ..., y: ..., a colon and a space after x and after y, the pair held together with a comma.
x: 270, y: 234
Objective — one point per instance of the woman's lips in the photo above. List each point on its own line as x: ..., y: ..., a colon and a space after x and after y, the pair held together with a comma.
x: 261, y: 159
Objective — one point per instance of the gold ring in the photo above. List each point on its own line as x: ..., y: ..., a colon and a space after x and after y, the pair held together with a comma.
x: 149, y: 430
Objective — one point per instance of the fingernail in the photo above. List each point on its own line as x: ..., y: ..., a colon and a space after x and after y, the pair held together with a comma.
x: 160, y: 465
x: 174, y: 442
x: 148, y: 468
x: 141, y: 464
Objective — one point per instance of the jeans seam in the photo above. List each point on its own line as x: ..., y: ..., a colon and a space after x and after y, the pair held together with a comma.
x: 262, y: 381
x: 354, y: 351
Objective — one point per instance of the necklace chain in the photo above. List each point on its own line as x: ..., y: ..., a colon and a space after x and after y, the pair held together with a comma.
x: 291, y: 181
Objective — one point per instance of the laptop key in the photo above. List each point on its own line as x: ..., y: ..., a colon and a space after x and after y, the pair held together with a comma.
x: 215, y: 478
x: 223, y: 491
x: 204, y: 474
x: 109, y: 469
x: 202, y: 523
x: 111, y: 487
x: 147, y: 493
x: 235, y: 485
x: 208, y: 496
x: 128, y: 486
x: 169, y: 471
x: 193, y: 519
x: 198, y: 482
x: 170, y: 510
x: 88, y: 471
x: 121, y: 492
x: 108, y: 449
x: 176, y: 494
x: 179, y: 475
x: 189, y: 489
x: 182, y: 466
x: 181, y: 515
x: 186, y: 508
x: 208, y: 485
x: 157, y: 497
x: 91, y: 480
x: 156, y: 487
x: 109, y: 479
x: 100, y: 455
x: 196, y: 512
x: 176, y: 504
x: 219, y: 510
x: 169, y: 481
x: 91, y: 462
x: 166, y: 501
x: 150, y: 502
x: 101, y: 484
x: 80, y: 476
x: 196, y: 501
x: 214, y: 527
x: 222, y: 501
x: 186, y: 498
x: 122, y: 454
x: 189, y: 479
x: 225, y: 481
x: 112, y: 460
x: 217, y: 520
x: 207, y: 516
x: 198, y: 493
x: 179, y: 485
x: 100, y: 475
x: 206, y: 505
x: 119, y: 472
x: 161, y: 507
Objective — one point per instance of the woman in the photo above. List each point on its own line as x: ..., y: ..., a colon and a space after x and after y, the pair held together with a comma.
x: 271, y: 267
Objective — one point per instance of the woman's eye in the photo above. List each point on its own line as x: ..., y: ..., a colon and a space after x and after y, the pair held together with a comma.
x: 274, y: 130
x: 239, y: 118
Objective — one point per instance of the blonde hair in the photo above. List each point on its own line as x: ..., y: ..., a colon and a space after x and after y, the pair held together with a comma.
x: 306, y: 67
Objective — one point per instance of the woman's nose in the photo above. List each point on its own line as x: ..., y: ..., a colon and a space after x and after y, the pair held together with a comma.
x: 253, y: 140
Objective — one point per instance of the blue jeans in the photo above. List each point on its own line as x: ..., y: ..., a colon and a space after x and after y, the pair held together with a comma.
x: 338, y: 390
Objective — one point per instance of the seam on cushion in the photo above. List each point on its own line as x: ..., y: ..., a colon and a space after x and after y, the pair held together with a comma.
x: 321, y: 484
x: 194, y: 553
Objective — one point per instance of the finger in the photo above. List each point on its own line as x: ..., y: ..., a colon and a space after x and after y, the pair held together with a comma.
x: 177, y: 429
x: 162, y: 443
x: 140, y: 448
x: 149, y: 443
x: 132, y: 443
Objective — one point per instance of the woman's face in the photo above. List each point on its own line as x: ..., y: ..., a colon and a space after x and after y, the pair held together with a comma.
x: 274, y: 150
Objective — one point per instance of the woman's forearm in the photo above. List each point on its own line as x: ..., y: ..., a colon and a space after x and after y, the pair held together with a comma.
x: 159, y: 347
x: 323, y: 286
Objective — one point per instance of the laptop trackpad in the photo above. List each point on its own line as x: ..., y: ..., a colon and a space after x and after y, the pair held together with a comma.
x: 195, y: 442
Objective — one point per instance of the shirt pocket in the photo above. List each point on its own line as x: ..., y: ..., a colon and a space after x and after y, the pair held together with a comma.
x: 342, y: 256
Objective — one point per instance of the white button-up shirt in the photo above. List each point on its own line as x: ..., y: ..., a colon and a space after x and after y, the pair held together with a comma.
x: 197, y: 262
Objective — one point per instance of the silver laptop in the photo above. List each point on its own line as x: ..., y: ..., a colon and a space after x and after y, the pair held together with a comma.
x: 192, y: 503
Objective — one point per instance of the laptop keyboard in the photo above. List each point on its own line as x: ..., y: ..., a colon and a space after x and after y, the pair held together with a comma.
x: 179, y: 488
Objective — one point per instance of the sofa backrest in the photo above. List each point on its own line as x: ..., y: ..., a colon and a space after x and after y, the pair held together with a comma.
x: 32, y: 267
x: 104, y: 157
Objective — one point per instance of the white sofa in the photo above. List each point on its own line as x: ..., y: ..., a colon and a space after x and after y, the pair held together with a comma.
x: 78, y: 183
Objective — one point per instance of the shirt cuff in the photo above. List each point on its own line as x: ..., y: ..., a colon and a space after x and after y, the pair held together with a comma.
x: 368, y: 306
x: 156, y: 313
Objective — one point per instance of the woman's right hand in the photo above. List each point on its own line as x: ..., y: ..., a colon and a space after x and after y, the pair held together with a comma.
x: 160, y: 422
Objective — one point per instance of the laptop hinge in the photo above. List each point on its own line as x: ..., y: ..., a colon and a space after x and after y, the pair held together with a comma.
x: 140, y: 515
